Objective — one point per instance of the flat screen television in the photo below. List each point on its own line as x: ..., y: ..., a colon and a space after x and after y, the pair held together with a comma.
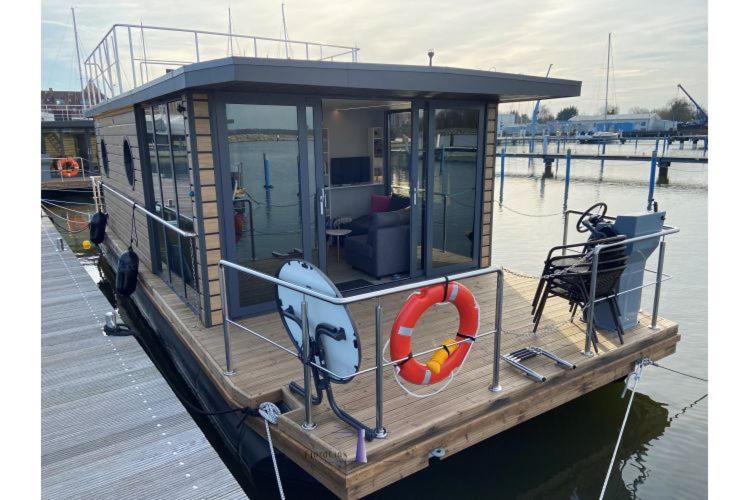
x: 351, y: 170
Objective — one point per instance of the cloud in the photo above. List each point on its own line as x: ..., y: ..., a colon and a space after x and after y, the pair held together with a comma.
x: 655, y: 44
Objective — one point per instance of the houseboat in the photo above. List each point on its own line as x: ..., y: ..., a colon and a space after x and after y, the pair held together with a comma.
x: 294, y: 218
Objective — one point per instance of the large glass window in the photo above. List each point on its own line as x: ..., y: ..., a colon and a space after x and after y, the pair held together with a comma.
x: 167, y: 154
x: 264, y: 166
x: 455, y: 157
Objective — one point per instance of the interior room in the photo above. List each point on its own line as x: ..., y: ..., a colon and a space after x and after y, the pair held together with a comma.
x: 367, y: 196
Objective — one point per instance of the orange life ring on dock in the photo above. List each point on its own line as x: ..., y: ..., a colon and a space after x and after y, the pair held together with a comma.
x: 461, y: 297
x: 68, y: 167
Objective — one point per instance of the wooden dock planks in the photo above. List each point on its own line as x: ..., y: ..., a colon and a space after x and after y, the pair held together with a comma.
x: 111, y: 426
x: 460, y: 416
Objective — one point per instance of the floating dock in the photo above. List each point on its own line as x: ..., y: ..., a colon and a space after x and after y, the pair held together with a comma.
x: 464, y: 414
x: 111, y: 425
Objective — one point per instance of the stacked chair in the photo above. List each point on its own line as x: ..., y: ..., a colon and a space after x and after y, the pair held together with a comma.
x: 569, y: 277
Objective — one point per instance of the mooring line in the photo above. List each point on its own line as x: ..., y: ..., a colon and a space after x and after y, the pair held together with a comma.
x: 635, y: 376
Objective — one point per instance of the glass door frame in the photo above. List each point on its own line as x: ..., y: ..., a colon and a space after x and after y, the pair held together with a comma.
x: 430, y: 106
x: 310, y: 211
x: 416, y: 106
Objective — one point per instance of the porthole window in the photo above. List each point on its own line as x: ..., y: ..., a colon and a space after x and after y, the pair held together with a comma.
x: 127, y: 158
x: 105, y: 158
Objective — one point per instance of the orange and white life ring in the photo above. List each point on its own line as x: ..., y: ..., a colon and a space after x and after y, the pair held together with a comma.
x: 68, y: 167
x: 461, y: 297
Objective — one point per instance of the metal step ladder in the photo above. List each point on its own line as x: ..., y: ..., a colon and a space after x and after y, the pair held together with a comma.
x: 516, y: 358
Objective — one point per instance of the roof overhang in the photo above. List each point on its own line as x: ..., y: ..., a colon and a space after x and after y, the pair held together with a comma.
x: 359, y: 80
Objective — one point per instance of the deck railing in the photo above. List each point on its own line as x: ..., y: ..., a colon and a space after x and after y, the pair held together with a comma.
x: 50, y: 171
x: 660, y: 276
x: 131, y: 55
x: 183, y: 283
x: 308, y: 362
x: 305, y: 357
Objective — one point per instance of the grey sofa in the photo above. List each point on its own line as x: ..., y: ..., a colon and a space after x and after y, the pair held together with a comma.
x: 361, y: 225
x: 384, y: 249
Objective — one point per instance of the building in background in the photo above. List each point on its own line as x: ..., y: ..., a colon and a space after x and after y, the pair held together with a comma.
x: 626, y: 123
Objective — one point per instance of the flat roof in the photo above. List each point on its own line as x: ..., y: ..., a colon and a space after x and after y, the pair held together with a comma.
x: 346, y: 79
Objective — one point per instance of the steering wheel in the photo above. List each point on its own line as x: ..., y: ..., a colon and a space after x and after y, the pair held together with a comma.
x: 591, y: 216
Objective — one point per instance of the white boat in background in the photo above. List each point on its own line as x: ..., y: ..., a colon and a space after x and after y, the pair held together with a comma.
x: 600, y: 137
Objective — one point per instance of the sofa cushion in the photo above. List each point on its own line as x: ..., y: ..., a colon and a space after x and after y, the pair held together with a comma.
x: 360, y: 225
x: 387, y: 219
x: 379, y: 203
x: 398, y: 202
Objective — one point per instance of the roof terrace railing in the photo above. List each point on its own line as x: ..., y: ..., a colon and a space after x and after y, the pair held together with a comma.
x: 131, y: 55
x: 63, y: 112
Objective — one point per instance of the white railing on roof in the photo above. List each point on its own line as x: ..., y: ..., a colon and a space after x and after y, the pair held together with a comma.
x: 131, y: 55
x: 62, y: 112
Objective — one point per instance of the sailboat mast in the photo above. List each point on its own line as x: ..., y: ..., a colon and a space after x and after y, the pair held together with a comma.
x: 286, y: 34
x: 231, y: 38
x: 78, y: 57
x: 606, y: 86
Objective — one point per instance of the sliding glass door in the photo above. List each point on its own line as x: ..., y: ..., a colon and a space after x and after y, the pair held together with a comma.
x: 270, y: 187
x: 454, y: 166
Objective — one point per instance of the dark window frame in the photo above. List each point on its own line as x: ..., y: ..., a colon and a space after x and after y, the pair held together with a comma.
x: 127, y: 160
x: 104, y: 156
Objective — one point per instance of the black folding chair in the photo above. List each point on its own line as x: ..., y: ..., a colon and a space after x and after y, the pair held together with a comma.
x: 572, y: 281
x: 557, y: 263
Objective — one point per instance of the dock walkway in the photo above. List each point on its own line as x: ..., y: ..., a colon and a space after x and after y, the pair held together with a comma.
x: 111, y: 425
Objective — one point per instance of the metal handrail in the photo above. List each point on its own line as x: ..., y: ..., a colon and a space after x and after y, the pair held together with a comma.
x: 108, y: 74
x: 661, y: 235
x: 495, y: 386
x: 308, y: 363
x: 166, y: 223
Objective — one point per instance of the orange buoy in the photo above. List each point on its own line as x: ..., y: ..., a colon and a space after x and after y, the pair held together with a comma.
x: 68, y: 167
x: 415, y: 306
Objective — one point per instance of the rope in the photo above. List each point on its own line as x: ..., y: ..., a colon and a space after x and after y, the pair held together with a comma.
x: 133, y: 232
x: 505, y: 207
x: 635, y: 377
x: 270, y: 413
x: 680, y: 373
x: 68, y: 202
x: 88, y: 214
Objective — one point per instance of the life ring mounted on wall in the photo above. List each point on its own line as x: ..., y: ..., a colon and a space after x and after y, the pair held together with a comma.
x: 452, y: 355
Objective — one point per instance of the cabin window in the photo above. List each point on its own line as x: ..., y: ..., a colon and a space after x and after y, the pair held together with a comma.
x: 105, y: 157
x: 169, y: 176
x: 127, y: 159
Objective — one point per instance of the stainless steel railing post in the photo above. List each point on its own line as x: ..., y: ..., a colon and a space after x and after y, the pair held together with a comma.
x: 380, y: 431
x: 657, y: 289
x: 225, y: 326
x: 592, y: 302
x: 496, y: 387
x: 565, y: 230
x: 308, y: 424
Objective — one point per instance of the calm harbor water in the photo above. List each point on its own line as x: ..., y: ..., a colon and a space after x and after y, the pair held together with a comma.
x: 565, y: 452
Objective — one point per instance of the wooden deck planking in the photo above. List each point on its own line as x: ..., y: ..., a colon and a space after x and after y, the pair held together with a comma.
x: 263, y: 373
x: 111, y: 426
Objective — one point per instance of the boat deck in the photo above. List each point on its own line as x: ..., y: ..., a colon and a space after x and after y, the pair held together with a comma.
x: 111, y: 426
x: 463, y: 414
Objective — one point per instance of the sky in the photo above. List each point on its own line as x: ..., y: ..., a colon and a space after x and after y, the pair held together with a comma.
x: 655, y: 44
